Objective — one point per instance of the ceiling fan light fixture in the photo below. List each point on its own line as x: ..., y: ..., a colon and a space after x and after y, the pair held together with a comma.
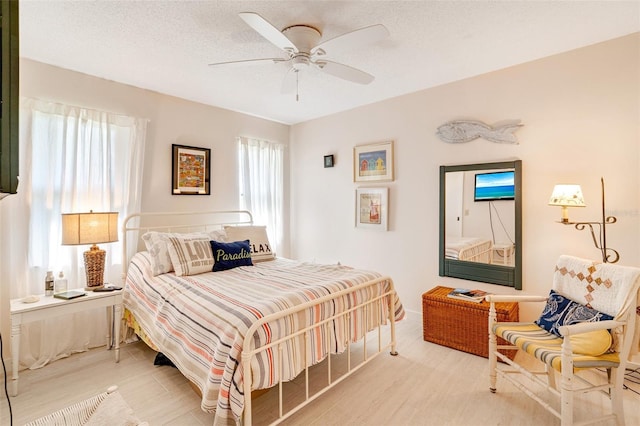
x: 299, y: 62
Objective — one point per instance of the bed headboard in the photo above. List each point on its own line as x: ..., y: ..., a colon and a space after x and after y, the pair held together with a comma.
x: 136, y: 224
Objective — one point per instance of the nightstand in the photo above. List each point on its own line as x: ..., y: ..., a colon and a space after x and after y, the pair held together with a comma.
x: 503, y: 253
x: 49, y: 306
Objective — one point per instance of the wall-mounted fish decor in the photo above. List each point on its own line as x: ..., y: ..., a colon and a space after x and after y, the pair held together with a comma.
x: 461, y: 131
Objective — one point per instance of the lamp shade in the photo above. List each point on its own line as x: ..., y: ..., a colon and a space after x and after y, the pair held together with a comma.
x: 567, y: 196
x: 89, y: 228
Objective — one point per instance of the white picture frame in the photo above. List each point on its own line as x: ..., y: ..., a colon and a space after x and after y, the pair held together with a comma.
x: 372, y: 208
x: 373, y: 162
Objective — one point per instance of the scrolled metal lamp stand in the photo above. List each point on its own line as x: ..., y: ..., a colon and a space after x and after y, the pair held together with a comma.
x: 609, y: 255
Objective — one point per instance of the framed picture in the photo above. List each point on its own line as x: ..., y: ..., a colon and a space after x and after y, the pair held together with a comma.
x: 328, y: 161
x: 373, y: 162
x: 372, y: 208
x: 190, y: 170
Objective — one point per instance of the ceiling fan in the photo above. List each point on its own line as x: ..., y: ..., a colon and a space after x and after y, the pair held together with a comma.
x: 303, y: 50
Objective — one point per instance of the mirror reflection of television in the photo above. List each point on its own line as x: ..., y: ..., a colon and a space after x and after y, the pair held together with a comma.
x: 494, y: 186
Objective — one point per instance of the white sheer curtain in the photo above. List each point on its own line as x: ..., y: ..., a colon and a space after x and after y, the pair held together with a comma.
x: 73, y: 159
x: 261, y: 176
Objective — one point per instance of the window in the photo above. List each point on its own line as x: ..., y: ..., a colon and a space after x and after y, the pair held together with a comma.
x: 261, y: 171
x: 72, y: 160
x: 80, y: 160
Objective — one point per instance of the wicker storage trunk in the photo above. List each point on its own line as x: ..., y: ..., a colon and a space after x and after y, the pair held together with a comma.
x: 462, y: 325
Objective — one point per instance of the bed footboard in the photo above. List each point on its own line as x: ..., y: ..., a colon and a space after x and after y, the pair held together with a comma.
x: 481, y: 252
x: 385, y: 301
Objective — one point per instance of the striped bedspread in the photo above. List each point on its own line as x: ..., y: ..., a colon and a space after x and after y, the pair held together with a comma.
x: 200, y: 321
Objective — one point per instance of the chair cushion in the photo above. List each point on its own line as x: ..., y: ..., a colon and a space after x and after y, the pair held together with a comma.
x: 561, y: 310
x: 589, y: 348
x: 592, y: 343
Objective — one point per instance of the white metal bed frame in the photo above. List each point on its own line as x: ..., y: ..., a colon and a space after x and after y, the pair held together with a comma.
x: 211, y: 221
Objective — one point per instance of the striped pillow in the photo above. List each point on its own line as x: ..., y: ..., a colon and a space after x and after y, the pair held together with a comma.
x: 190, y: 255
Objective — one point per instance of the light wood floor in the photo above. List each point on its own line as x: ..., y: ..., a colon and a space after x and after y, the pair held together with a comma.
x: 426, y: 384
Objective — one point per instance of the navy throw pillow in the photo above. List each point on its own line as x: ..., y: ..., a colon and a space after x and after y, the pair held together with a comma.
x: 230, y: 255
x: 560, y: 311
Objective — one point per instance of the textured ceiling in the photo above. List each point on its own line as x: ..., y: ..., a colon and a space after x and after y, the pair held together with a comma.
x: 165, y: 46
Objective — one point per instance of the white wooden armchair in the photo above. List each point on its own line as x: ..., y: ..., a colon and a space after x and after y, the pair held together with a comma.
x: 569, y: 337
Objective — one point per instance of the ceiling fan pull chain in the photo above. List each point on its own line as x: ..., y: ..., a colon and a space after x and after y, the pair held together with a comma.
x: 297, y: 76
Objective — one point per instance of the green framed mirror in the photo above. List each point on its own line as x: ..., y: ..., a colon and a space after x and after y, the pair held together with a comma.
x: 481, y: 222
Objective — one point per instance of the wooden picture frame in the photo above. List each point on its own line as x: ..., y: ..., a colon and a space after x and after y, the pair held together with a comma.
x: 373, y: 162
x: 190, y: 170
x: 372, y: 208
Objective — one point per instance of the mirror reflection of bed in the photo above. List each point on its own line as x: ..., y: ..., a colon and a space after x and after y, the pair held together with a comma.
x: 471, y: 249
x: 480, y: 216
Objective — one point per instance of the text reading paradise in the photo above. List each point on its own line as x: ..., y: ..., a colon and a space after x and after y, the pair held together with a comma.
x: 224, y: 256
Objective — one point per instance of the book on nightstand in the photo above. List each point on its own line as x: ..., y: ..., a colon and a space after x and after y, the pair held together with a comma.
x: 475, y: 296
x: 71, y: 294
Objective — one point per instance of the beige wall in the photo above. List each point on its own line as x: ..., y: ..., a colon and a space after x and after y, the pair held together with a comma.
x: 580, y: 113
x: 581, y: 118
x: 171, y: 120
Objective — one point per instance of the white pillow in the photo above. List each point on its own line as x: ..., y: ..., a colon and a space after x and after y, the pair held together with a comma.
x: 258, y: 240
x: 157, y: 246
x: 190, y: 255
x: 218, y: 235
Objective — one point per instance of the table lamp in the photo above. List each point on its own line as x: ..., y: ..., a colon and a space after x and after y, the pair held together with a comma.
x: 91, y: 228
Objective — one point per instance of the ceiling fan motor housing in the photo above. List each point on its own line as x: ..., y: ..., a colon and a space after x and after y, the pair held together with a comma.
x: 303, y: 37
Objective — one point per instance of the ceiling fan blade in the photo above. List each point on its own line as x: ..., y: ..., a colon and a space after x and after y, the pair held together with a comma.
x: 250, y: 61
x: 352, y: 40
x: 268, y: 31
x: 345, y: 72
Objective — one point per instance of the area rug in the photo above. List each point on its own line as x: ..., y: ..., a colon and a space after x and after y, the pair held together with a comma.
x: 108, y: 408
